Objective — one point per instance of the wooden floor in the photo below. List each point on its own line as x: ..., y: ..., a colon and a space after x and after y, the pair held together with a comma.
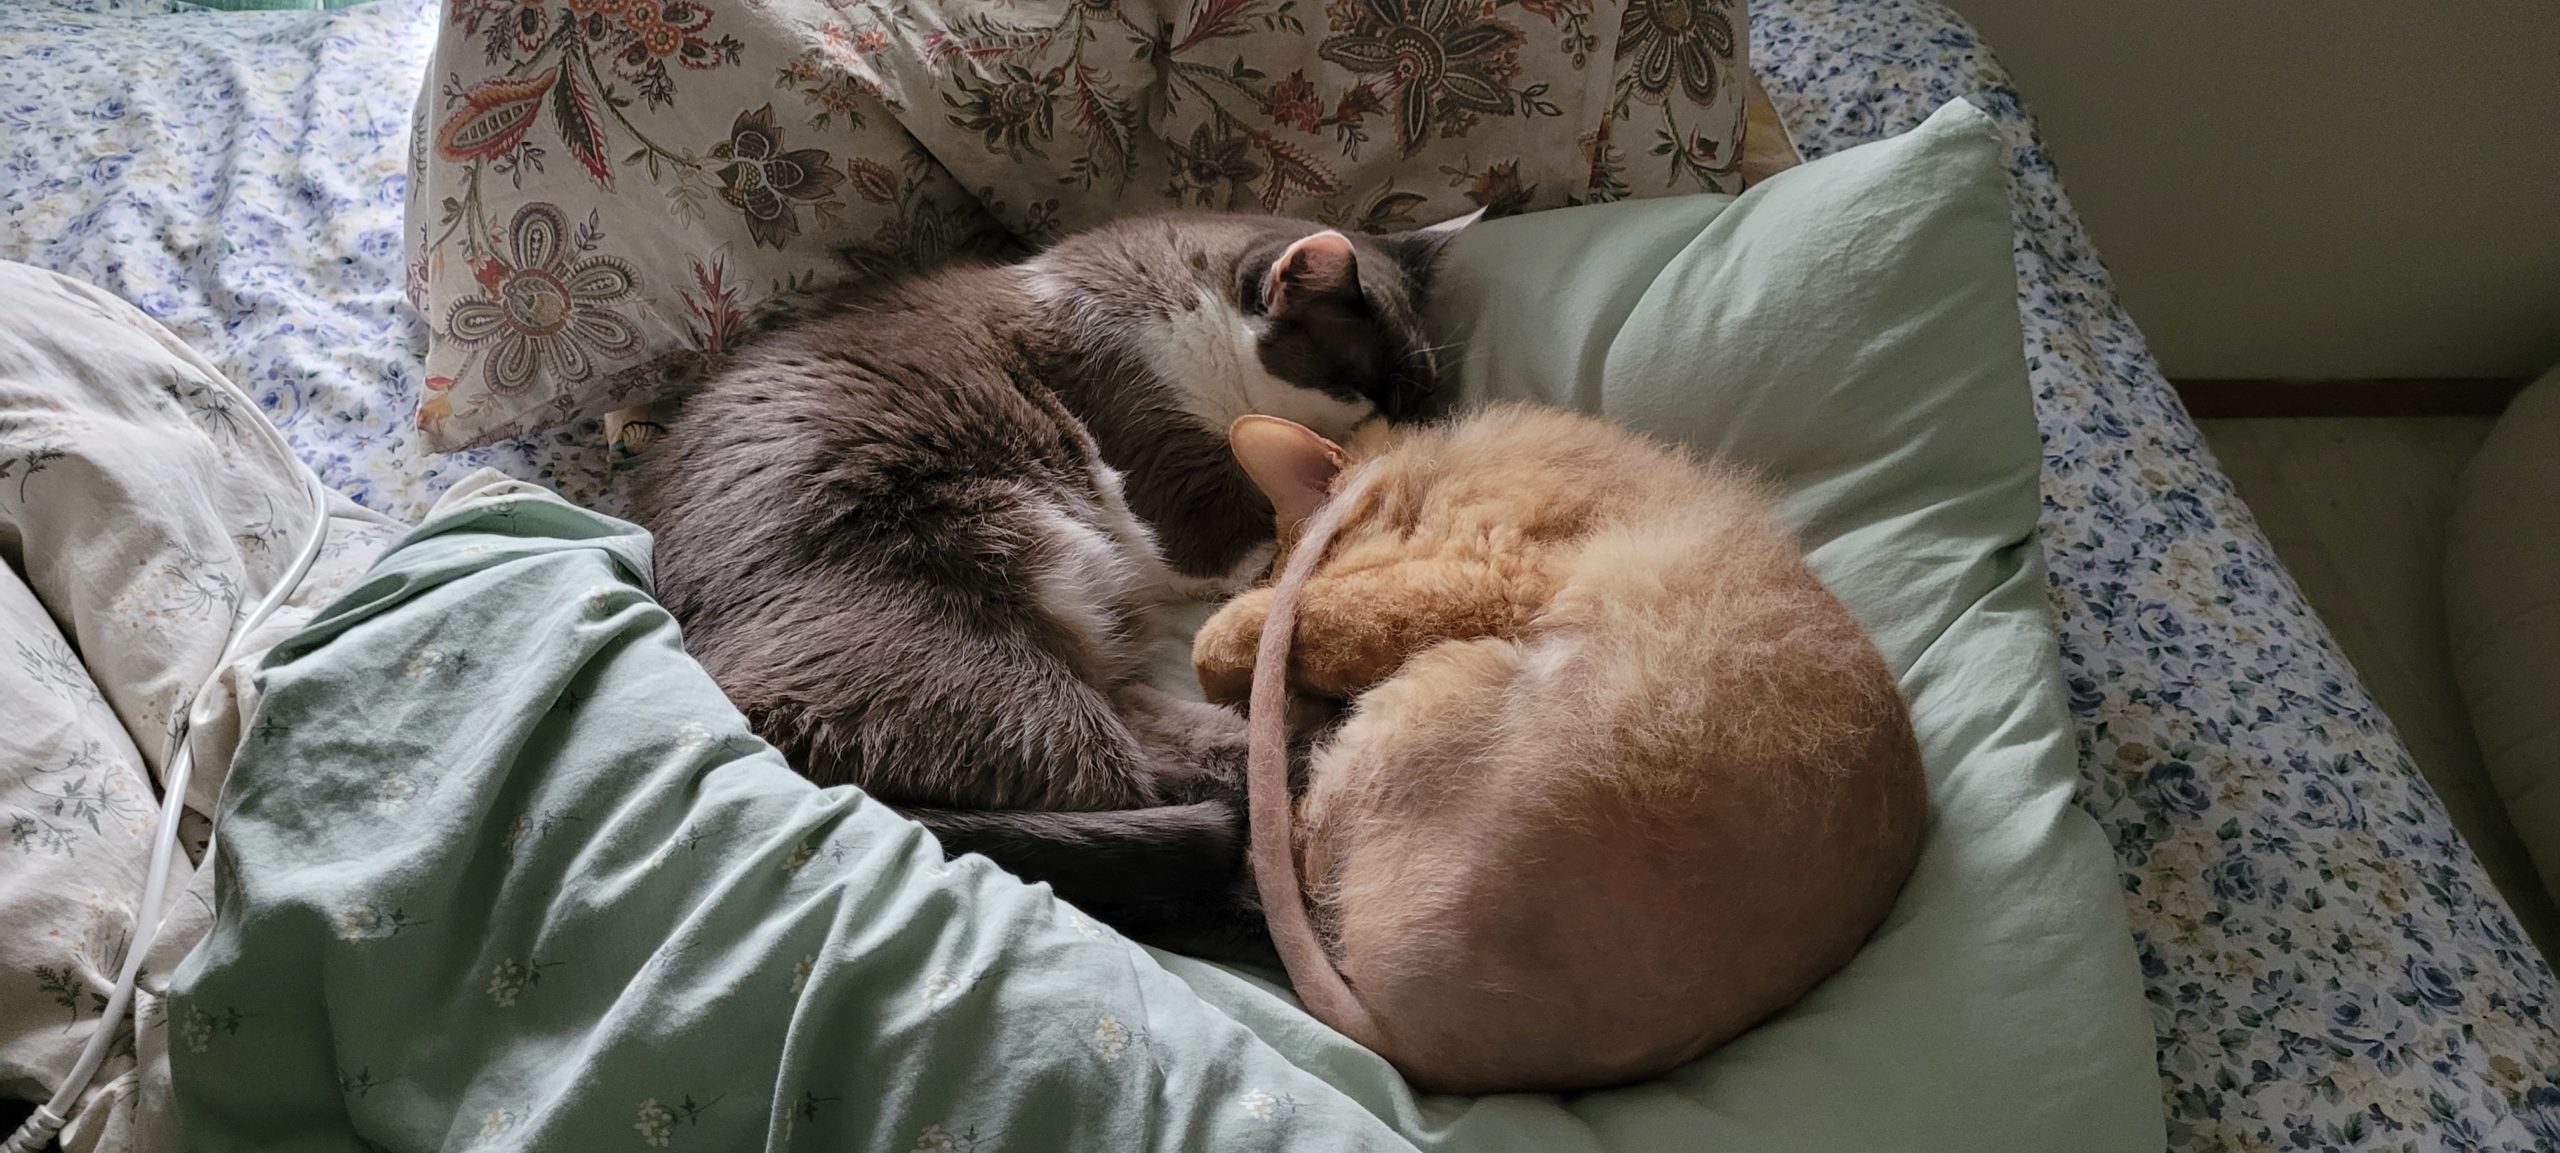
x: 2356, y: 508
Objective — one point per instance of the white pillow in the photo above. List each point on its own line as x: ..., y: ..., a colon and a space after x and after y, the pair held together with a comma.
x: 2502, y: 613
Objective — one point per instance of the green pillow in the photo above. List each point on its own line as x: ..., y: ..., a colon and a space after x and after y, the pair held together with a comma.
x: 1850, y: 327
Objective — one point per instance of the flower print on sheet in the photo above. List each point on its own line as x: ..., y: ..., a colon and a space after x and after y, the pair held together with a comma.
x: 136, y: 170
x: 660, y: 1123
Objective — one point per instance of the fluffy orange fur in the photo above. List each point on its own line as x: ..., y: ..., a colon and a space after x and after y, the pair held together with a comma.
x: 1620, y: 777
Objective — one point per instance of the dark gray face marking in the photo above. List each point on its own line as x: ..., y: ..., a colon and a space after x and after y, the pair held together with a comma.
x: 1361, y: 342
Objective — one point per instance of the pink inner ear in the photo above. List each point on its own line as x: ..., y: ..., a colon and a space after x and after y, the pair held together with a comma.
x: 1319, y: 265
x: 1289, y: 462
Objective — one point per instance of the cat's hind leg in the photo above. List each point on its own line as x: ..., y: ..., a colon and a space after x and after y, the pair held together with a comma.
x: 1045, y: 739
x: 935, y: 716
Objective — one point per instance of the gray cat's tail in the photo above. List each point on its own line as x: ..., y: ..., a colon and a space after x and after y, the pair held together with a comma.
x: 1168, y: 875
x: 1088, y: 855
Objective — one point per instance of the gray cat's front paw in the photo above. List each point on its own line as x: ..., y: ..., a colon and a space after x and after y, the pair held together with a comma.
x: 1184, y: 742
x: 1213, y: 773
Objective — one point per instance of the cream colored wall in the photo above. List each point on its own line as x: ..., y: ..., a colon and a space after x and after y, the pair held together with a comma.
x: 2301, y: 190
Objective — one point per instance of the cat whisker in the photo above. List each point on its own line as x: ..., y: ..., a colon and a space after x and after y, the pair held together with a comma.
x: 1428, y: 355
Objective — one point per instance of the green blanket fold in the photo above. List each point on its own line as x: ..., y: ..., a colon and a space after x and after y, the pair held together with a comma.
x: 501, y: 868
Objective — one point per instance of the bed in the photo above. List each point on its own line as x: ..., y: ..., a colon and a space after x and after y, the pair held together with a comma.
x: 2326, y: 964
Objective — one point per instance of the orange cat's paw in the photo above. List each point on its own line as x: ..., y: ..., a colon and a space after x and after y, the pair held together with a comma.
x: 1223, y: 650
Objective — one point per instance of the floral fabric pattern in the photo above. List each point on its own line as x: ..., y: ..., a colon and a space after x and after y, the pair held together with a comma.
x: 2327, y: 966
x: 544, y: 306
x: 105, y: 627
x: 757, y: 145
x: 1444, y: 64
x: 239, y: 177
x: 760, y: 179
x: 1674, y: 40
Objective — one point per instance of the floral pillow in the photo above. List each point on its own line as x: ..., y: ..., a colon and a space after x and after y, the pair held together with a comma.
x: 607, y: 195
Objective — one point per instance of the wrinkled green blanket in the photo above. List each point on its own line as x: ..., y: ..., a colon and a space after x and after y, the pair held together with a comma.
x: 503, y: 869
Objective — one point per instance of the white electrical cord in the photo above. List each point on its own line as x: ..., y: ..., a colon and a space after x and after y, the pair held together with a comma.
x: 178, y: 755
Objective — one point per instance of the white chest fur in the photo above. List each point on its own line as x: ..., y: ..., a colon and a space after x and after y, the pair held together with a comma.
x: 1211, y: 355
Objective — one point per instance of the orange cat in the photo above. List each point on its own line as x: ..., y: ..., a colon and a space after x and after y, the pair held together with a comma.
x: 1620, y: 777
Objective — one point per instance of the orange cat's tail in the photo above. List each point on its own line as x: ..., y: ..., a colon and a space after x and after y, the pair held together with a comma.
x: 1274, y: 857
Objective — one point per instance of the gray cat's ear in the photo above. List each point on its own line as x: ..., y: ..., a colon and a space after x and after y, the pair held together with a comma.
x: 1419, y: 249
x: 1314, y: 268
x: 1289, y: 462
x: 1450, y: 227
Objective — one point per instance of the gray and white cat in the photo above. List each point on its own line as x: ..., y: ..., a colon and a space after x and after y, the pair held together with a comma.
x: 920, y: 541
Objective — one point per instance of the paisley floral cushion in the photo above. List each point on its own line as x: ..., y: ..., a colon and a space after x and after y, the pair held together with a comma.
x: 607, y: 194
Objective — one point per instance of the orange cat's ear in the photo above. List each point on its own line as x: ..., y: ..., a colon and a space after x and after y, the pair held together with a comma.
x: 1288, y: 461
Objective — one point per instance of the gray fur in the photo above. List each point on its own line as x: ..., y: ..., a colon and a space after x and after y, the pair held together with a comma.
x: 895, y: 535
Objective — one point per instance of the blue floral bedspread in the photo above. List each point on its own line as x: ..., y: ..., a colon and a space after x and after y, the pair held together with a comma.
x: 238, y: 175
x: 2328, y: 966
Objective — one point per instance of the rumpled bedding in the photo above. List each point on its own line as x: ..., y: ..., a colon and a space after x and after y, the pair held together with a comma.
x: 487, y: 789
x: 633, y: 923
x: 139, y: 515
x: 2327, y: 964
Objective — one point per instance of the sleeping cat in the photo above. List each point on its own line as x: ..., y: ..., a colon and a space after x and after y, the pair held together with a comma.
x: 918, y: 542
x: 1619, y: 777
